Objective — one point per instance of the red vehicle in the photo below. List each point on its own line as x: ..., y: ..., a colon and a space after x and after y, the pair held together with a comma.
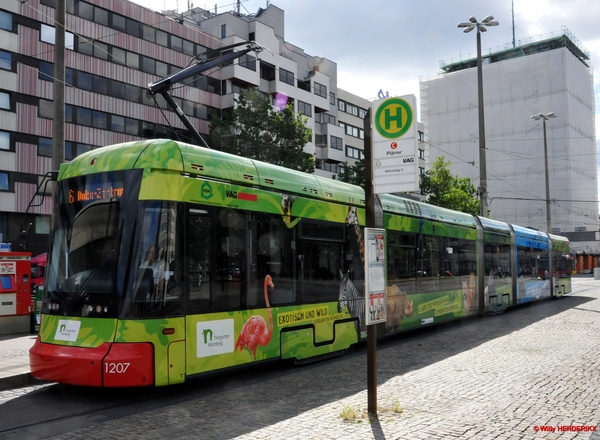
x: 38, y: 270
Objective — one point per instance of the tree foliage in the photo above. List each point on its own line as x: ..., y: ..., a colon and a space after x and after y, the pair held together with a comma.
x: 449, y: 191
x: 354, y: 174
x: 258, y: 130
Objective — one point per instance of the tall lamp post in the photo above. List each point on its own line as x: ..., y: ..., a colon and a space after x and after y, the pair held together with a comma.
x: 481, y: 27
x: 544, y: 118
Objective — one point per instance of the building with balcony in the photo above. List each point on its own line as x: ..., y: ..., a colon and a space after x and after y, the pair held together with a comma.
x: 115, y: 49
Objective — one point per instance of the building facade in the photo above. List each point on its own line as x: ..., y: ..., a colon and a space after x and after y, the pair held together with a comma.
x: 552, y: 74
x: 115, y: 49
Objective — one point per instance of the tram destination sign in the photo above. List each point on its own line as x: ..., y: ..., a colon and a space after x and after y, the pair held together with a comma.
x: 395, y: 145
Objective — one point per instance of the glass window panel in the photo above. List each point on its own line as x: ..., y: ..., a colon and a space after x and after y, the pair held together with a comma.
x: 4, y: 182
x: 4, y: 100
x: 162, y: 69
x: 85, y: 46
x: 188, y: 47
x: 69, y: 155
x: 5, y: 60
x: 46, y: 71
x: 84, y: 116
x: 47, y: 34
x: 101, y: 16
x: 133, y: 60
x: 118, y: 55
x: 148, y: 33
x: 117, y: 123
x: 148, y: 65
x: 82, y: 148
x: 84, y: 81
x: 132, y: 126
x: 162, y: 38
x: 4, y: 140
x: 176, y: 43
x: 86, y: 11
x: 46, y: 109
x: 45, y: 147
x: 68, y: 113
x: 69, y: 76
x: 132, y: 93
x: 119, y: 22
x: 100, y: 85
x: 101, y: 50
x: 6, y: 21
x: 133, y: 27
x: 100, y: 120
x: 117, y: 89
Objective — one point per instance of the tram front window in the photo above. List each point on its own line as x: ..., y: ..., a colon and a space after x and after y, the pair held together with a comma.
x: 84, y: 260
x: 85, y: 275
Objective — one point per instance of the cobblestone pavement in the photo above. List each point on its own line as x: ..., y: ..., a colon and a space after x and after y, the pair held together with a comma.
x: 519, y: 375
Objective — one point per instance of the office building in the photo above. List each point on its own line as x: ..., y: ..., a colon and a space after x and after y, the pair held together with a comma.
x: 551, y: 73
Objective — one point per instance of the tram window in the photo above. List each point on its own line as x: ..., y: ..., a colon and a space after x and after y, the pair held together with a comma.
x: 157, y: 284
x: 198, y: 241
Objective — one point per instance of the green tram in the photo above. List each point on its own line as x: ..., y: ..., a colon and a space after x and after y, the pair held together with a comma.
x: 168, y: 261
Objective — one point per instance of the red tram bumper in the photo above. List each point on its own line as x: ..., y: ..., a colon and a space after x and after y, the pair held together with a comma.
x: 108, y: 365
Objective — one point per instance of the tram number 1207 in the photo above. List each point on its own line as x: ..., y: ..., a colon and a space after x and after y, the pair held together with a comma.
x: 116, y: 368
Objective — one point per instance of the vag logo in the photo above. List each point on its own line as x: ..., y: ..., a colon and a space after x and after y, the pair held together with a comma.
x: 231, y: 194
x: 408, y: 159
x: 206, y: 191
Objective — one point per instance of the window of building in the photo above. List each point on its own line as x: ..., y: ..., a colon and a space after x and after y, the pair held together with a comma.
x: 47, y: 35
x: 331, y: 98
x: 46, y: 71
x: 176, y: 43
x: 84, y: 116
x: 118, y: 55
x: 580, y: 229
x: 4, y: 101
x: 6, y: 21
x: 4, y: 182
x: 162, y: 38
x: 354, y: 153
x: 100, y: 84
x: 117, y: 123
x: 267, y: 72
x: 100, y: 120
x: 286, y: 76
x: 341, y: 105
x: 84, y: 81
x: 362, y: 113
x: 4, y: 140
x: 223, y: 31
x: 336, y: 143
x: 420, y: 136
x: 304, y: 85
x: 119, y: 22
x: 421, y: 154
x: 320, y: 90
x: 304, y: 108
x: 5, y: 60
x: 45, y: 147
x: 46, y: 109
x: 421, y: 171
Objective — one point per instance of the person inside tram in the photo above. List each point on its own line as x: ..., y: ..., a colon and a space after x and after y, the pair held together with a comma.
x: 156, y: 264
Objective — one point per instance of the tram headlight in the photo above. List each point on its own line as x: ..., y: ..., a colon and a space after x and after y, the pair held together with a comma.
x: 98, y: 308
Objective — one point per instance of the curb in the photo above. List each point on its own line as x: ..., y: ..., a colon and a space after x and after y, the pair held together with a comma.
x: 18, y: 381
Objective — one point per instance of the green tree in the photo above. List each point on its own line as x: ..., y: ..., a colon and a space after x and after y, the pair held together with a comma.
x: 254, y: 128
x: 449, y: 191
x: 354, y: 174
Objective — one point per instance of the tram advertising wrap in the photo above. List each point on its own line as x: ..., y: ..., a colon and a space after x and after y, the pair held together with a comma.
x: 169, y: 261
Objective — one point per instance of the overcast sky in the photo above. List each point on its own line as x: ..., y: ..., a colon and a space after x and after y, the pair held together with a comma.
x: 391, y: 44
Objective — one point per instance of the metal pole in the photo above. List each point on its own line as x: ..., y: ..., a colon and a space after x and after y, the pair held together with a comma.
x: 370, y: 212
x: 58, y: 123
x: 548, y: 218
x: 482, y: 160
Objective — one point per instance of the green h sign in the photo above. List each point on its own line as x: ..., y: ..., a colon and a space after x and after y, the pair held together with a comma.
x: 393, y: 118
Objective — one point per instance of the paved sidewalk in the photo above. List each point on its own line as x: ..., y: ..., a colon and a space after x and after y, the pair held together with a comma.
x: 14, y: 360
x: 530, y: 373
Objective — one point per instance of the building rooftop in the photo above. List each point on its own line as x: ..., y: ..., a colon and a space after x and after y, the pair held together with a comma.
x: 529, y: 46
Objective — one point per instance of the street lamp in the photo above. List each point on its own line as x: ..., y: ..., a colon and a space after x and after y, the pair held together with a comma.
x: 544, y: 118
x: 481, y: 27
